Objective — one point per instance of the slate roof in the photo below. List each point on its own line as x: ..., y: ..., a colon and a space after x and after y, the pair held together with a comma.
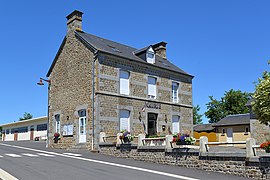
x: 203, y: 127
x: 114, y: 48
x: 232, y: 120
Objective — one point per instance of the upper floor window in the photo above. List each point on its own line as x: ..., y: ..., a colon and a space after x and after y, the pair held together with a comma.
x: 175, y: 87
x: 57, y: 123
x: 175, y: 124
x: 124, y: 120
x: 124, y: 82
x: 150, y: 55
x: 152, y: 87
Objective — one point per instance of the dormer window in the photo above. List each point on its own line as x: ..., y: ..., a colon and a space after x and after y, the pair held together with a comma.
x: 150, y: 55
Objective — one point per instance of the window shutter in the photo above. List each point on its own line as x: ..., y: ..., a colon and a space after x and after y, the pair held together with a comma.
x: 175, y: 87
x: 175, y: 124
x: 124, y: 120
x: 124, y: 82
x: 152, y: 90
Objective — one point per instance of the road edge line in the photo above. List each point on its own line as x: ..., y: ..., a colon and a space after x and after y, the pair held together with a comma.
x: 6, y: 176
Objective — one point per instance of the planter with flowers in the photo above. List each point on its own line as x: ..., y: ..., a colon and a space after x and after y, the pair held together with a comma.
x: 126, y: 137
x: 266, y: 146
x: 183, y: 139
x: 56, y: 137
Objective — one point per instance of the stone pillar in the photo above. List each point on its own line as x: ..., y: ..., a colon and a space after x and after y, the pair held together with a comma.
x: 118, y: 140
x: 249, y: 150
x: 101, y: 136
x: 203, y: 142
x: 169, y: 139
x: 140, y: 138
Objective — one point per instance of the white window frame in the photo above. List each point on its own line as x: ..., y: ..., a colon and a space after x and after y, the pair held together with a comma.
x: 121, y: 128
x: 151, y: 95
x: 57, y: 123
x: 122, y: 81
x: 175, y: 99
x: 152, y: 52
x: 174, y: 131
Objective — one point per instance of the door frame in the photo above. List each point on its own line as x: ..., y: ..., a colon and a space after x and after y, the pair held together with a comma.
x: 155, y: 123
x: 229, y: 132
x: 16, y: 136
x: 32, y: 129
x: 82, y: 137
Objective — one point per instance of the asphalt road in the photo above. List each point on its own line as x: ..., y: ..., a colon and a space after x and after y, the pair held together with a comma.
x: 32, y: 161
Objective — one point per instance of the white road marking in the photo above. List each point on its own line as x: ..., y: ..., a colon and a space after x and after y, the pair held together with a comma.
x: 46, y: 155
x: 13, y: 155
x: 72, y: 154
x: 106, y: 163
x: 30, y: 155
x: 1, y: 156
x: 6, y: 176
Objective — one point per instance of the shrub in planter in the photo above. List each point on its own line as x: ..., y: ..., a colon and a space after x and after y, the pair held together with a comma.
x: 266, y: 146
x: 126, y: 137
x: 56, y: 137
x: 183, y: 139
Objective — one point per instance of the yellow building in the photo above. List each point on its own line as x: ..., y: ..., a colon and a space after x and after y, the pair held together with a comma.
x: 207, y: 130
x: 233, y: 128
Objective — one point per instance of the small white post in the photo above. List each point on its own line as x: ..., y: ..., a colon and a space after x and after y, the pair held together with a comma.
x: 203, y: 142
x: 101, y: 136
x: 118, y: 141
x: 140, y: 138
x: 169, y: 139
x: 249, y: 150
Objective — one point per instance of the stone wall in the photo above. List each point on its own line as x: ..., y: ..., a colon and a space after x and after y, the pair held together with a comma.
x: 259, y: 131
x: 229, y: 165
x: 71, y: 90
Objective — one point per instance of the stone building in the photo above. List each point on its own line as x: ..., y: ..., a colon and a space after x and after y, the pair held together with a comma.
x: 139, y: 90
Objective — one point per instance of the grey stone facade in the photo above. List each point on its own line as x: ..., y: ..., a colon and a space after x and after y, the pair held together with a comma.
x: 71, y: 90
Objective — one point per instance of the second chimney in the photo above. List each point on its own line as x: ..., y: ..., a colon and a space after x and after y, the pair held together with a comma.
x: 74, y: 21
x: 160, y: 49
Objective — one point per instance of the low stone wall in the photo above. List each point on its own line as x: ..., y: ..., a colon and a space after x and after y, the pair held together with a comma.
x: 190, y: 159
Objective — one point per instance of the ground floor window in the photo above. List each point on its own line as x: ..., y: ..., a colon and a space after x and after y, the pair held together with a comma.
x: 124, y: 120
x: 175, y: 124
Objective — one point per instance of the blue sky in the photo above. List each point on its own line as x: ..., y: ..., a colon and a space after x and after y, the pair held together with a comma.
x: 224, y: 44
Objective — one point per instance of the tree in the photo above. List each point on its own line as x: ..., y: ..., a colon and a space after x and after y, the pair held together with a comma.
x: 233, y: 102
x: 261, y: 105
x: 197, y: 118
x: 26, y: 116
x: 215, y: 110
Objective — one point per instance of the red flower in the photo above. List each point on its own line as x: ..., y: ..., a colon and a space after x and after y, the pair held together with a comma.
x: 265, y: 145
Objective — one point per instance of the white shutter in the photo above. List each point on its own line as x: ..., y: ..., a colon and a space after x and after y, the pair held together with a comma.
x: 152, y: 89
x: 175, y: 124
x: 175, y: 87
x: 124, y: 82
x: 124, y: 120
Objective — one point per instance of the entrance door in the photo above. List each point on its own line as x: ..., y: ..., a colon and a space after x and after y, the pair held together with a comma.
x: 82, y: 130
x: 152, y: 124
x: 229, y: 135
x: 32, y: 133
x: 16, y: 136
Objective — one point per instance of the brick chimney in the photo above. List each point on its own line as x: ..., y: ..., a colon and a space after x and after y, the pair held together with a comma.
x: 160, y: 49
x: 74, y: 21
